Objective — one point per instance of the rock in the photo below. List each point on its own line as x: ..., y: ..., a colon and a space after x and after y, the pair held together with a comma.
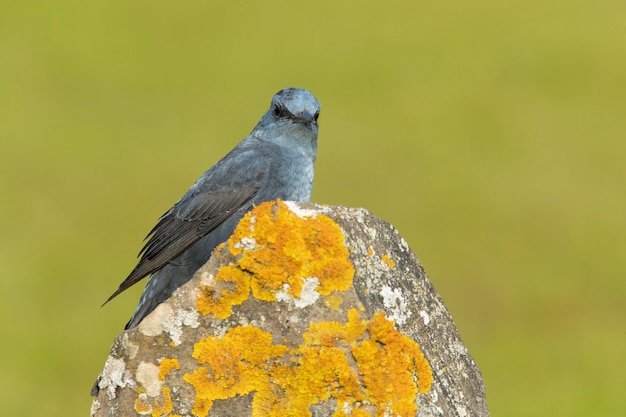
x: 307, y: 310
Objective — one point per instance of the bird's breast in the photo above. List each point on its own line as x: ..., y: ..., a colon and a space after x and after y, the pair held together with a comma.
x: 292, y: 178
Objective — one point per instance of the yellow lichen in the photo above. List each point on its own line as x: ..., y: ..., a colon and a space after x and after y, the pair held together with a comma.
x: 165, y: 407
x: 276, y: 251
x: 386, y: 259
x: 142, y: 405
x: 315, y: 375
x: 157, y: 408
x: 400, y: 360
x: 166, y: 367
x: 358, y: 412
x: 365, y: 366
x: 356, y: 363
x: 330, y: 333
x: 232, y: 287
x: 333, y: 301
x: 235, y: 364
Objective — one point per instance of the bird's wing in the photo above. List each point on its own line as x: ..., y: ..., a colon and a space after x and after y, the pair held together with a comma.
x: 200, y: 211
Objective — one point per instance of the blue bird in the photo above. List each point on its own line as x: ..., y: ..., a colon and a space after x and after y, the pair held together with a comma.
x: 274, y: 161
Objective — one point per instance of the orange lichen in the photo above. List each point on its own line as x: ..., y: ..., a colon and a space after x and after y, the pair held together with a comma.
x: 314, y: 375
x: 156, y: 409
x: 276, y: 251
x: 358, y: 412
x: 232, y: 287
x: 166, y: 406
x: 333, y: 301
x: 400, y: 360
x: 365, y: 366
x: 236, y: 364
x: 142, y: 405
x: 386, y: 259
x: 356, y: 363
x: 330, y: 333
x: 166, y: 367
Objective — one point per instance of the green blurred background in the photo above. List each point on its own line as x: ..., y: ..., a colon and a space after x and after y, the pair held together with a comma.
x: 491, y: 134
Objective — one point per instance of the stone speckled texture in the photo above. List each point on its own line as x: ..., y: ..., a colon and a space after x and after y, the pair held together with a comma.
x: 306, y: 310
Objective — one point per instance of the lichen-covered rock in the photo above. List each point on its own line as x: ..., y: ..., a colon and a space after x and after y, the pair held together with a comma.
x: 305, y: 311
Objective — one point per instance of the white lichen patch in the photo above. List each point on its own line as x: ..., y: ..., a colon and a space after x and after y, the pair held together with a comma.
x: 396, y: 305
x: 308, y: 294
x: 173, y: 324
x: 434, y: 396
x: 246, y: 243
x: 130, y: 348
x: 283, y: 296
x: 461, y: 411
x: 148, y: 376
x: 95, y: 405
x: 424, y: 315
x: 152, y: 325
x: 360, y: 216
x: 304, y: 213
x: 114, y: 375
x: 458, y: 348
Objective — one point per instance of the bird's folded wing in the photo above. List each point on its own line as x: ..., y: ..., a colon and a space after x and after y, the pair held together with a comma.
x: 193, y: 217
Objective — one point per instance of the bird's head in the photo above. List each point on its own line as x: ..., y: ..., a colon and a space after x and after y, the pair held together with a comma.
x: 295, y: 105
x: 291, y: 121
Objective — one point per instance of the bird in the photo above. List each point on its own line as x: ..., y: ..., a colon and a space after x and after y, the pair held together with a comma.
x: 275, y: 161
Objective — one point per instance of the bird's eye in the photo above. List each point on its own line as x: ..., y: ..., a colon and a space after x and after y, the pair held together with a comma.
x: 278, y: 111
x: 316, y: 115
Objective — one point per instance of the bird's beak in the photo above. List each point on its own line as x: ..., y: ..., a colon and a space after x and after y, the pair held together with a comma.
x: 305, y: 117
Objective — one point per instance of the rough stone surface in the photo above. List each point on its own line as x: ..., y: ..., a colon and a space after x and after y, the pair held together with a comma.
x: 306, y: 310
